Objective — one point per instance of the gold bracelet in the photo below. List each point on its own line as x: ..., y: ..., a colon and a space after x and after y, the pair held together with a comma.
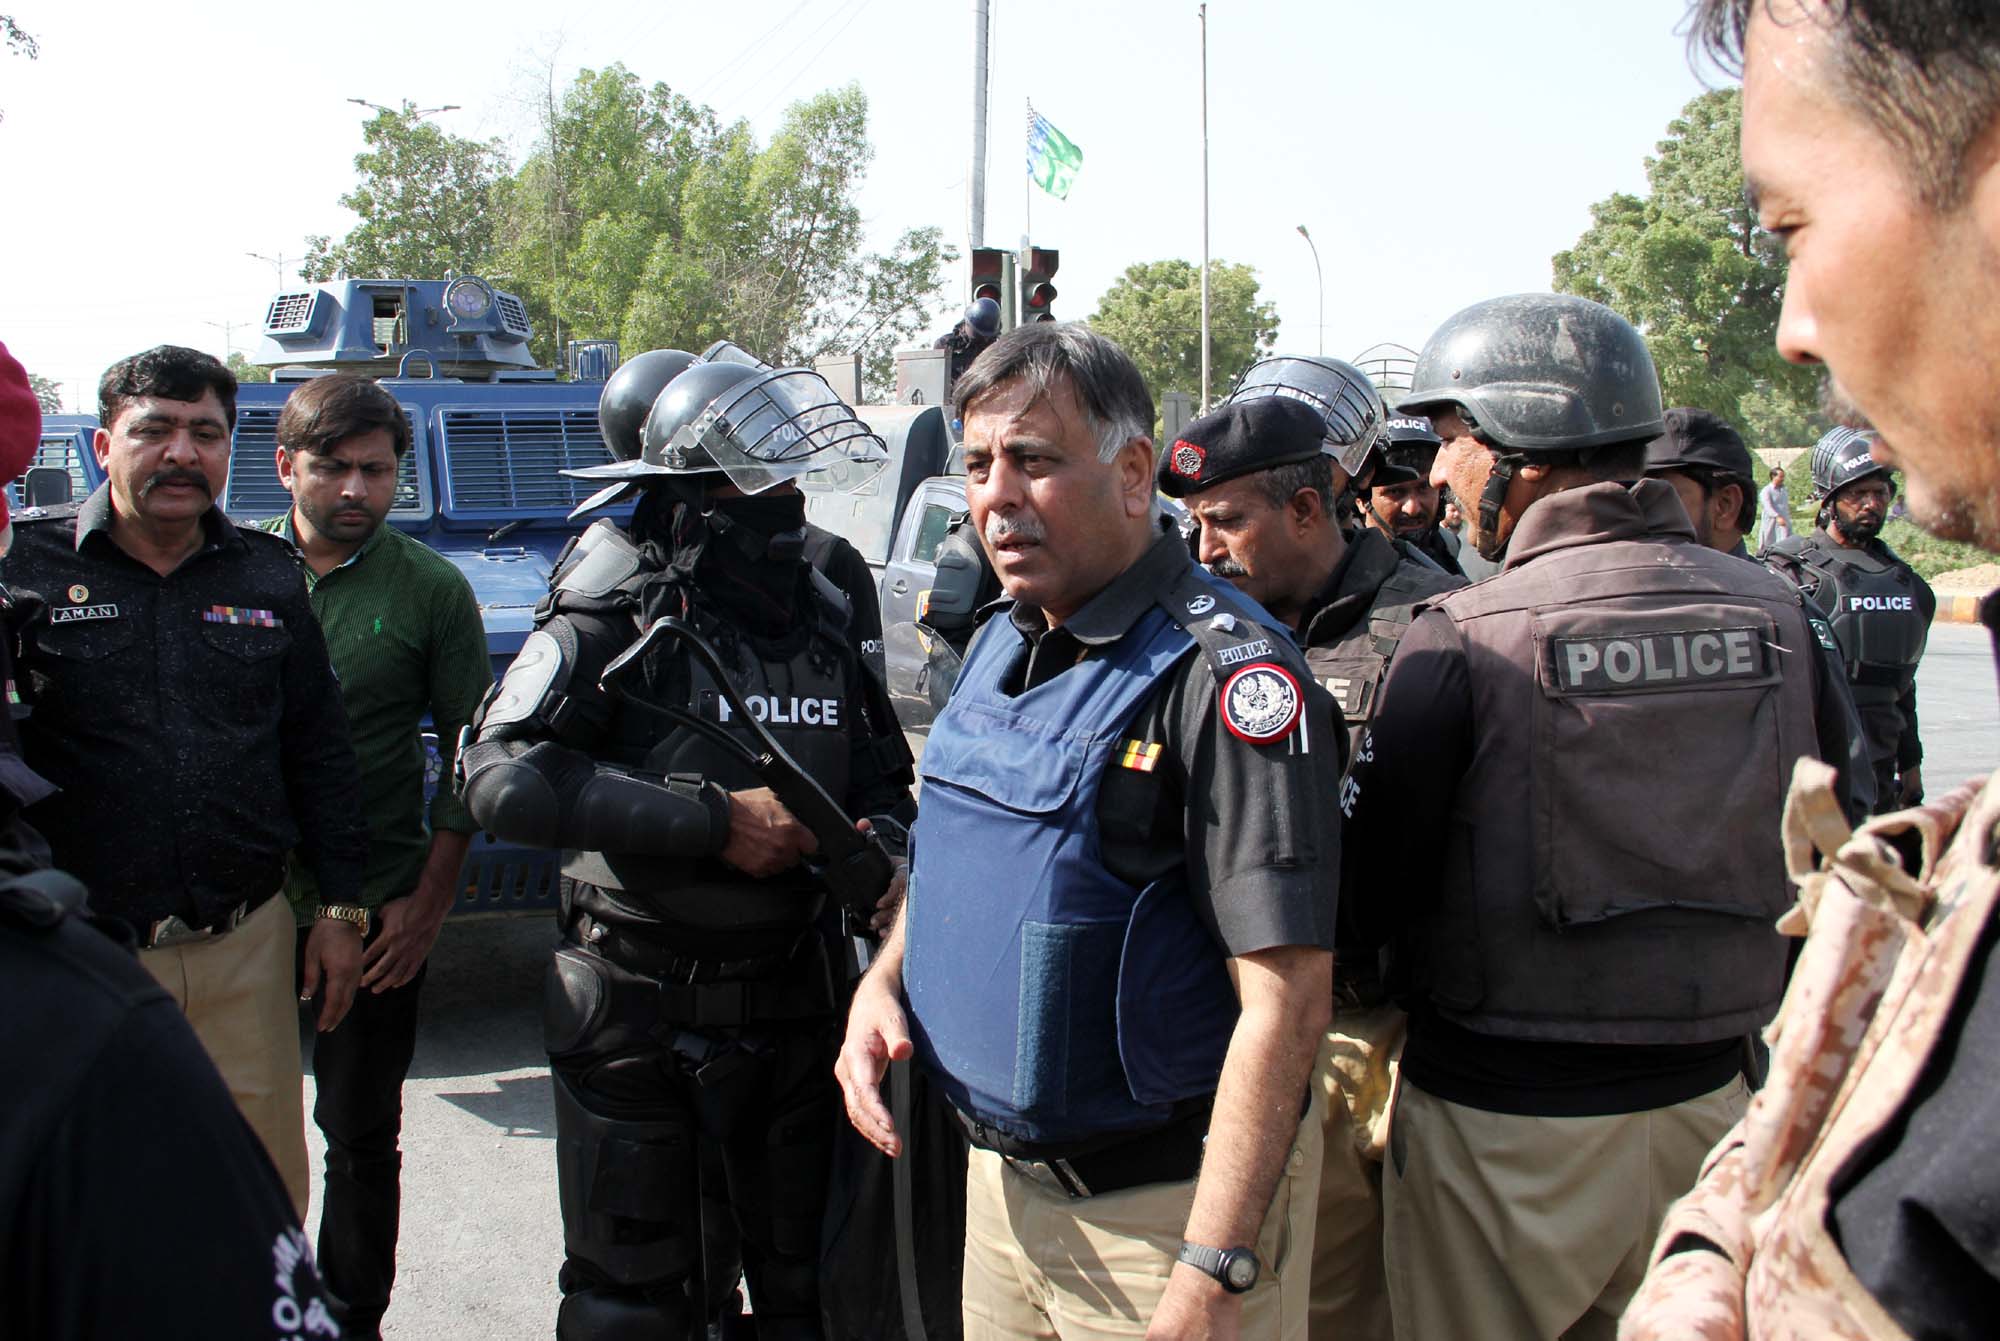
x: 352, y: 913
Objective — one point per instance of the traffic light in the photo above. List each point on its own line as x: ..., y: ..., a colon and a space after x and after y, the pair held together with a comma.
x: 988, y: 265
x: 1038, y: 295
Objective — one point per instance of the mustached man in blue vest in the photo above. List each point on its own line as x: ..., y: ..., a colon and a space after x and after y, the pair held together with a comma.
x: 1115, y: 953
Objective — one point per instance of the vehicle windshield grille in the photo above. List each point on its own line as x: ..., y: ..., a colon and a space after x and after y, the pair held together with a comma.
x: 253, y: 491
x: 509, y: 459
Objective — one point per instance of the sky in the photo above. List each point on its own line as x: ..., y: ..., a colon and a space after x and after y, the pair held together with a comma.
x: 1438, y: 151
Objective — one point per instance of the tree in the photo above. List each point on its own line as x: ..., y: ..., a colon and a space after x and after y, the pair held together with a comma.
x: 639, y: 215
x: 426, y: 201
x: 1154, y: 311
x: 1689, y: 265
x: 19, y: 42
x: 245, y: 370
x: 48, y: 393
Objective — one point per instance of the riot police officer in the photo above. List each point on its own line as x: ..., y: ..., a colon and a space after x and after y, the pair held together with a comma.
x: 1400, y: 500
x: 1567, y: 806
x: 1879, y: 608
x: 691, y: 996
x: 1263, y: 500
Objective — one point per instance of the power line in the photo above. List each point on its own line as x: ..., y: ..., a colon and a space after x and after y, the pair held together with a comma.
x: 786, y: 87
x: 720, y: 75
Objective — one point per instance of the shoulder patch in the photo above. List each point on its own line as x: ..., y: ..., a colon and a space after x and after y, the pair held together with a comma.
x: 1261, y: 703
x: 1824, y: 632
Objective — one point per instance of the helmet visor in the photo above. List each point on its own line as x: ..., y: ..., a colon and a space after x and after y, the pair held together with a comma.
x: 782, y: 426
x: 1352, y: 425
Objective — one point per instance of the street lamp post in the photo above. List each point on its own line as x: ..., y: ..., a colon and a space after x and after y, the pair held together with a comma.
x: 1322, y: 286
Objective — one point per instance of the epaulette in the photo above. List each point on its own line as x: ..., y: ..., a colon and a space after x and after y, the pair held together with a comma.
x: 1257, y: 666
x: 59, y: 512
x: 41, y: 900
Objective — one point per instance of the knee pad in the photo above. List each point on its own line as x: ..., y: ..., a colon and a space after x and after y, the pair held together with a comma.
x: 630, y: 1190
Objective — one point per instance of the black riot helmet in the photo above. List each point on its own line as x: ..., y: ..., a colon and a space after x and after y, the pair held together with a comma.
x: 629, y: 394
x: 1537, y: 374
x: 1409, y: 446
x: 757, y: 427
x: 1840, y: 458
x: 1540, y: 373
x: 1341, y: 392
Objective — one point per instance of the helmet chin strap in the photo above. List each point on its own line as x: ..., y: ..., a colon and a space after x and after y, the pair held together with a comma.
x: 1490, y: 499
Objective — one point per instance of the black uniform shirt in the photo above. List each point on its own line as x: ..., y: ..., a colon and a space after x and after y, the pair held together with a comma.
x: 1250, y: 822
x: 192, y: 721
x: 134, y: 1199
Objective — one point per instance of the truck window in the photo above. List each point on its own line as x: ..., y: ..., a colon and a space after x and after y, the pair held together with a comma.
x: 931, y: 531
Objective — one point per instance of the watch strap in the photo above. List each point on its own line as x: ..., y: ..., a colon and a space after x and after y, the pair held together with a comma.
x: 352, y: 913
x: 1214, y: 1263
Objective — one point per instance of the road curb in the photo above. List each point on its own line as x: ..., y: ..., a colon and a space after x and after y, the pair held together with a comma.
x: 1958, y: 607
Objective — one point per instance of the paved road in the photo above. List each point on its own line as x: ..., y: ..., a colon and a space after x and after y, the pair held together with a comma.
x: 481, y: 1239
x: 1956, y: 706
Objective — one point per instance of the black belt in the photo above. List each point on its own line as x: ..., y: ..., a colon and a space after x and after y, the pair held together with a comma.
x: 702, y: 993
x: 1091, y: 1168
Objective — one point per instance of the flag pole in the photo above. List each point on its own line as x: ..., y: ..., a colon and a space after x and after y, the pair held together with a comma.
x: 1203, y: 14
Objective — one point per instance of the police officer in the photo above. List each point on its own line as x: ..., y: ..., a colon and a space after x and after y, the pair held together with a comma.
x: 133, y: 1199
x: 1879, y: 608
x: 1708, y: 465
x: 1264, y: 503
x: 1567, y: 805
x: 1704, y: 459
x: 1400, y: 500
x: 1122, y: 992
x: 691, y: 996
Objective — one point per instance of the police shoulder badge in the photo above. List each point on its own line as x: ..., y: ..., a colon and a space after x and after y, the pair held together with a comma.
x: 1261, y: 703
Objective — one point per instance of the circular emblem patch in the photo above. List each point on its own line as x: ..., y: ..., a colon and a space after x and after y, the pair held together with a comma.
x: 1260, y: 704
x: 1201, y: 605
x: 1188, y: 458
x: 79, y: 593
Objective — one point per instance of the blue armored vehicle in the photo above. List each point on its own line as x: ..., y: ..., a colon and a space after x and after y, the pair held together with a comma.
x: 490, y: 430
x: 64, y: 451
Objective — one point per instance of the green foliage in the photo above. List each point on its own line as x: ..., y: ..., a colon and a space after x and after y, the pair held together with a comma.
x: 18, y: 41
x: 245, y: 370
x: 1918, y: 547
x: 426, y: 204
x: 48, y: 393
x: 637, y: 215
x: 1689, y: 265
x: 1153, y: 310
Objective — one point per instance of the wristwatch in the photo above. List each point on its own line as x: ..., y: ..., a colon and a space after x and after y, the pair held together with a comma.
x: 1235, y: 1269
x: 352, y: 913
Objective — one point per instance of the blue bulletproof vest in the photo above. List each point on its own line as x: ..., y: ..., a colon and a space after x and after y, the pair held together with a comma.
x: 1055, y: 1001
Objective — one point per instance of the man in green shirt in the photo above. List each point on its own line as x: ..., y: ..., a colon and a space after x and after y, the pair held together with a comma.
x: 403, y: 631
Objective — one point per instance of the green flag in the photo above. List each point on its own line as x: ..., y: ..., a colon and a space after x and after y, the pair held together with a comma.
x: 1053, y: 161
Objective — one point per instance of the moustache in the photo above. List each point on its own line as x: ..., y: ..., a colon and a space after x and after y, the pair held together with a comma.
x: 1001, y: 527
x: 1838, y: 406
x: 1228, y: 567
x: 194, y: 477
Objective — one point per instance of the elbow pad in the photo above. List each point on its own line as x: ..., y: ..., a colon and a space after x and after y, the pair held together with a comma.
x: 509, y: 796
x: 626, y: 812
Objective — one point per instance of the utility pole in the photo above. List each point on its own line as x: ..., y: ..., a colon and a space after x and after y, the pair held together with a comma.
x: 1322, y: 287
x: 277, y: 263
x: 228, y: 329
x: 975, y: 223
x: 1203, y: 13
x: 415, y: 113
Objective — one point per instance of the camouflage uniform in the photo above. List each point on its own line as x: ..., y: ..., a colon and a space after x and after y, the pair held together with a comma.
x: 1871, y: 994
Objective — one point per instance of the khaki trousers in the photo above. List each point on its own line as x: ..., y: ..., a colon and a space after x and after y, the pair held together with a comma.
x: 1512, y: 1228
x: 1356, y: 1073
x: 1040, y: 1265
x: 237, y: 992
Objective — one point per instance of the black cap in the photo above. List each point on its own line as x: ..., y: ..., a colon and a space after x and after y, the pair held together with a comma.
x: 1240, y: 437
x: 1698, y: 438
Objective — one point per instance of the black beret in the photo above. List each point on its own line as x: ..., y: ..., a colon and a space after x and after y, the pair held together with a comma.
x: 1698, y: 438
x: 1240, y: 437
